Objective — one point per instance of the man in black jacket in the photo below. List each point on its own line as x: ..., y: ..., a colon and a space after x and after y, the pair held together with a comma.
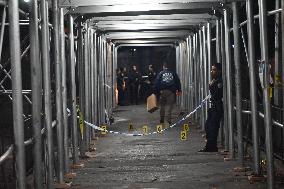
x: 215, y: 112
x: 134, y: 82
x: 167, y: 85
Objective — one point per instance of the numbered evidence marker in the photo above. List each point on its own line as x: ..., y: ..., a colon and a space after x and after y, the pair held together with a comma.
x: 159, y: 128
x: 145, y: 129
x: 130, y: 127
x: 103, y: 132
x: 186, y: 127
x: 183, y: 135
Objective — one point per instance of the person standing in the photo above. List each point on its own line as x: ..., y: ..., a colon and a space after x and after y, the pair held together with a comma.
x: 119, y: 84
x: 167, y: 85
x: 150, y: 80
x: 215, y: 112
x: 134, y: 81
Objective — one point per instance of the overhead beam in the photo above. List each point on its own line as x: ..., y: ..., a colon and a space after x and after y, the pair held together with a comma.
x: 189, y: 17
x: 148, y: 28
x: 148, y: 22
x: 143, y: 8
x: 76, y: 3
x: 156, y: 41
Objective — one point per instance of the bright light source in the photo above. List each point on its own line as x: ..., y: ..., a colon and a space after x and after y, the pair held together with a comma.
x: 27, y: 1
x: 134, y: 50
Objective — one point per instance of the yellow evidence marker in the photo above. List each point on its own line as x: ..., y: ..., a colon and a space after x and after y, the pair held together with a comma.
x: 103, y: 132
x: 183, y: 135
x: 159, y: 128
x: 145, y: 129
x: 186, y: 127
x: 130, y: 127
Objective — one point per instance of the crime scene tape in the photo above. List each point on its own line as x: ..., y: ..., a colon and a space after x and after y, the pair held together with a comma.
x: 144, y: 134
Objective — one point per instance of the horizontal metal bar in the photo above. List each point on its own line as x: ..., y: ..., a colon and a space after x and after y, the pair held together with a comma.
x: 27, y: 142
x: 262, y: 115
x: 268, y: 14
x: 10, y: 91
x: 3, y: 2
x: 6, y: 154
x: 21, y: 24
x: 64, y: 3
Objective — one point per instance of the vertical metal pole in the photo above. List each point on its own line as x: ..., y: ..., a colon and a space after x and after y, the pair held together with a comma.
x: 218, y: 41
x: 191, y: 72
x: 229, y: 83
x: 188, y: 75
x: 18, y: 121
x: 267, y: 103
x: 2, y: 29
x: 209, y: 63
x: 87, y: 86
x: 218, y: 59
x: 225, y: 104
x: 196, y: 79
x: 64, y: 92
x: 92, y: 76
x: 282, y: 79
x: 56, y: 49
x: 253, y: 92
x: 47, y: 90
x: 73, y: 98
x: 237, y: 61
x: 202, y: 78
x: 277, y: 69
x: 96, y: 77
x: 80, y: 61
x: 36, y: 81
x: 205, y: 71
x: 113, y: 75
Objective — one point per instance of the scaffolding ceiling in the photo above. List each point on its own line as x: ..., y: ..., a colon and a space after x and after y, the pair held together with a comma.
x: 145, y: 21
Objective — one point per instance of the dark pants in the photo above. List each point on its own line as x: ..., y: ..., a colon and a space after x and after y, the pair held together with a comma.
x: 120, y: 96
x: 167, y: 101
x: 134, y: 93
x: 212, y: 125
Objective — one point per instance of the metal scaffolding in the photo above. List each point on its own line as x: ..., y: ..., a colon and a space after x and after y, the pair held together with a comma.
x: 74, y: 58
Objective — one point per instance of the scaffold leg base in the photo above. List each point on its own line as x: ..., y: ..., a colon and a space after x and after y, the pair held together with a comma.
x: 77, y: 166
x: 70, y: 176
x: 224, y: 152
x: 256, y: 178
x: 228, y: 159
x: 241, y: 169
x: 62, y: 185
x: 92, y: 149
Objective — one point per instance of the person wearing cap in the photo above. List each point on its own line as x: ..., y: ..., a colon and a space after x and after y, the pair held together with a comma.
x: 167, y: 85
x: 215, y: 112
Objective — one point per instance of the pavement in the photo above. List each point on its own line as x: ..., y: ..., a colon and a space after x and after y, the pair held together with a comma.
x: 155, y: 161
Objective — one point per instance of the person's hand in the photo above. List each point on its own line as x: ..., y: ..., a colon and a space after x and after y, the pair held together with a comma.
x: 178, y: 93
x: 212, y: 82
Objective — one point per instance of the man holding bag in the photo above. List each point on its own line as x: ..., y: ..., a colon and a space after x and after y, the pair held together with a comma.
x: 167, y: 85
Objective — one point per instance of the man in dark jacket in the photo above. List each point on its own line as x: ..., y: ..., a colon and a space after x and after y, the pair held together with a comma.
x: 134, y: 81
x: 167, y: 85
x: 215, y: 112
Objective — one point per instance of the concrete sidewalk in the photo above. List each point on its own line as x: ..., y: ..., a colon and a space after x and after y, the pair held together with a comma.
x: 156, y: 161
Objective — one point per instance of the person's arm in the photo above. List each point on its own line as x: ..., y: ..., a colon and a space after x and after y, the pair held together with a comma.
x: 177, y: 83
x: 157, y: 84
